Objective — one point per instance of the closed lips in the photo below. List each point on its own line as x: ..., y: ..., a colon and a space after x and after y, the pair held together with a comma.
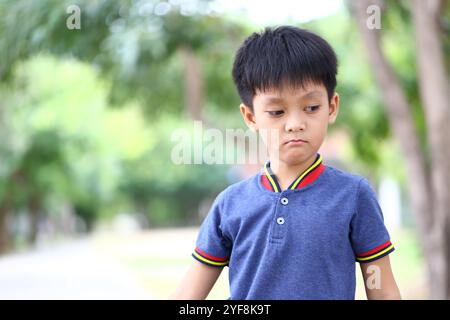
x: 296, y: 140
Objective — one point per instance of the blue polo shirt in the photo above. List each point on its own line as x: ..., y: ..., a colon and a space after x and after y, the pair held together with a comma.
x: 298, y: 243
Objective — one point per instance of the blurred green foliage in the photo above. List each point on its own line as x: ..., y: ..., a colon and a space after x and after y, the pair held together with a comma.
x: 69, y: 146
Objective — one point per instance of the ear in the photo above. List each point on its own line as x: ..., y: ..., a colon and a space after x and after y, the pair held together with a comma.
x: 333, y: 108
x: 248, y: 116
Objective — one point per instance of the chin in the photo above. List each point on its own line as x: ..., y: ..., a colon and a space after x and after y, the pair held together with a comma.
x: 294, y: 158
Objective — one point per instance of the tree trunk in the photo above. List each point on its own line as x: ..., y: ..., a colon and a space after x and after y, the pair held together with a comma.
x: 33, y: 213
x: 434, y: 91
x: 428, y: 189
x: 5, y: 208
x: 400, y: 119
x: 193, y: 84
x: 5, y: 202
x: 6, y: 205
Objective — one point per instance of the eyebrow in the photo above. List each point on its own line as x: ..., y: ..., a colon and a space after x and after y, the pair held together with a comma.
x: 309, y: 95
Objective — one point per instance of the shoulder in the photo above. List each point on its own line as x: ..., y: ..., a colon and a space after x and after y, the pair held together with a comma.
x: 357, y: 188
x: 349, y: 182
x: 344, y: 177
x: 241, y: 190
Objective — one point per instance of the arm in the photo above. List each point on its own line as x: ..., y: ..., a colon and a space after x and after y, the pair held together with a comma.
x: 197, y: 282
x: 379, y: 281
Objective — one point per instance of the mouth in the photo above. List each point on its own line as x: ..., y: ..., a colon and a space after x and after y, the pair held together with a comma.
x: 296, y: 141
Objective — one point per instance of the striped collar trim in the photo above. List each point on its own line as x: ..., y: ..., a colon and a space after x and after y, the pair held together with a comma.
x: 270, y: 182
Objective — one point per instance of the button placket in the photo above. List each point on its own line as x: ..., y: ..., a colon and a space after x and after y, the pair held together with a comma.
x: 280, y: 218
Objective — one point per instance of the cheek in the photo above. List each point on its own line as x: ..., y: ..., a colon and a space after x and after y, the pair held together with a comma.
x: 270, y: 136
x: 319, y: 131
x: 268, y: 129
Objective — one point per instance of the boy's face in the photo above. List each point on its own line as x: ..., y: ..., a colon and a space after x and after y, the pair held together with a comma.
x: 281, y: 115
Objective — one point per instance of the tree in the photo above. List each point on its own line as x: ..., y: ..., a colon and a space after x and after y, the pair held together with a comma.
x: 428, y: 167
x: 42, y: 170
x: 134, y: 44
x: 146, y: 54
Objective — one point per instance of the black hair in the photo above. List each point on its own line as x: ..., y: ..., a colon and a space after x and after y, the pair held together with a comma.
x: 284, y: 55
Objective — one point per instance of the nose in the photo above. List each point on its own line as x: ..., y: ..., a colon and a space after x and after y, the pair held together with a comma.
x: 295, y: 122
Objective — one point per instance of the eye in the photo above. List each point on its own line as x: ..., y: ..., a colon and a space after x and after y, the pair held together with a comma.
x: 275, y: 113
x: 311, y: 109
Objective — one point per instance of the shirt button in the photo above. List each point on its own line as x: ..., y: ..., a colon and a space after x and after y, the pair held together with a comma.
x: 284, y: 201
x: 280, y: 220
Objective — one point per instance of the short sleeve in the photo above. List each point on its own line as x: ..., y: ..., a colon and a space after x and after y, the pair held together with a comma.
x: 212, y: 247
x: 369, y: 237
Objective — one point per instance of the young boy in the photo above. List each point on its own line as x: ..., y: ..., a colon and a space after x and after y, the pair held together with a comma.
x: 294, y: 230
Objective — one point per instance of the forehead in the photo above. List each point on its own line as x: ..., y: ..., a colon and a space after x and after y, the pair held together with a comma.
x: 308, y: 91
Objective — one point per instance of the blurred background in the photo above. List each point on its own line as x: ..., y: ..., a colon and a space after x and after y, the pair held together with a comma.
x: 92, y: 205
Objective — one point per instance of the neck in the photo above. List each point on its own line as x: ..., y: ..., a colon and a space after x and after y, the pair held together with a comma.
x: 286, y: 173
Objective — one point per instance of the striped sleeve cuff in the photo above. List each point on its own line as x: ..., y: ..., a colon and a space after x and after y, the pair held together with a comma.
x: 375, y: 253
x: 208, y: 259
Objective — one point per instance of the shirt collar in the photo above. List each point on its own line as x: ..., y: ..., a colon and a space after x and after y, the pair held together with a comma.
x: 270, y: 182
